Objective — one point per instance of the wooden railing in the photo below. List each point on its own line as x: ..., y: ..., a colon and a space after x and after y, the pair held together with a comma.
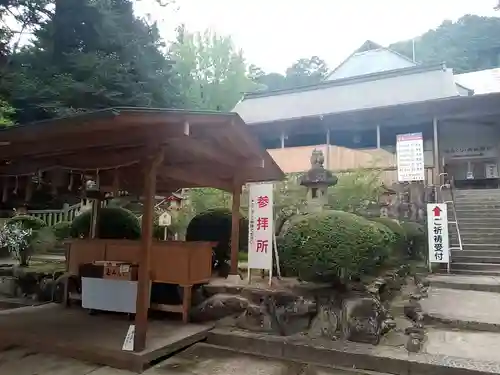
x: 67, y: 213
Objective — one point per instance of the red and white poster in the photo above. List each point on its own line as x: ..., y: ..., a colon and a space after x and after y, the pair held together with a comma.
x: 260, y: 226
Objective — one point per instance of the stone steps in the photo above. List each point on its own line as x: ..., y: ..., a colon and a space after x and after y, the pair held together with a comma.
x: 469, y: 266
x: 460, y: 259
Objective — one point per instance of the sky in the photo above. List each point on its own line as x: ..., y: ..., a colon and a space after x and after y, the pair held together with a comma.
x: 275, y: 33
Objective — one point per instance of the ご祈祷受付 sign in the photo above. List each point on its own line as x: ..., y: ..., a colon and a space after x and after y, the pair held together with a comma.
x: 437, y: 225
x: 260, y: 226
x: 410, y: 157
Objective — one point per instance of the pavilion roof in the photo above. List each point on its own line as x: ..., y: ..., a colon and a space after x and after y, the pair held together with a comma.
x: 201, y: 149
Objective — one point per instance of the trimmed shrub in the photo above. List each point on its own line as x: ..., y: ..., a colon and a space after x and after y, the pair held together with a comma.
x: 401, y: 242
x: 389, y: 242
x: 114, y: 223
x: 331, y: 244
x: 417, y: 238
x: 27, y: 222
x: 62, y: 230
x: 215, y: 225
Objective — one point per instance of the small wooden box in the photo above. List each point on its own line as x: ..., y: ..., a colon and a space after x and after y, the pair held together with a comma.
x: 120, y: 272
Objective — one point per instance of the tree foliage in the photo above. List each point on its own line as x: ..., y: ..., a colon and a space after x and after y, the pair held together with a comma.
x: 213, y: 73
x: 303, y: 72
x: 469, y: 44
x: 90, y: 55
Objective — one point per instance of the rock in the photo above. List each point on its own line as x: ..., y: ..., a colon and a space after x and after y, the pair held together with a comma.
x: 325, y: 323
x: 362, y: 319
x: 416, y: 296
x: 417, y: 332
x: 45, y: 290
x: 413, y: 310
x: 256, y: 318
x: 413, y: 345
x: 387, y: 325
x: 219, y: 306
x: 292, y: 317
x: 9, y: 287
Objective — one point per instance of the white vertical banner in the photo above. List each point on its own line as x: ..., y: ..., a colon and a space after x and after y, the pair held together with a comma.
x: 260, y: 226
x: 410, y: 157
x: 437, y: 228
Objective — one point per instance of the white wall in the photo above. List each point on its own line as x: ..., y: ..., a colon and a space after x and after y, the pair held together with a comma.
x: 352, y: 95
x: 378, y: 60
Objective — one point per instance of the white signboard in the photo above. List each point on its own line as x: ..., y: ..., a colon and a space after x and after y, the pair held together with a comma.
x: 128, y: 342
x: 410, y: 157
x: 437, y: 226
x: 260, y: 226
x: 165, y: 220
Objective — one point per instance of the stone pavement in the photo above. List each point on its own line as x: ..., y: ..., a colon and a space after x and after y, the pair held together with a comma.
x: 200, y: 359
x: 463, y: 309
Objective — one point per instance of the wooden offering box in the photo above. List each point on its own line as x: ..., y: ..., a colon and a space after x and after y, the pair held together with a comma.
x: 172, y: 262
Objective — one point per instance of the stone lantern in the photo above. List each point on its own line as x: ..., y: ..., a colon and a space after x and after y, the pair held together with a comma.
x: 317, y: 180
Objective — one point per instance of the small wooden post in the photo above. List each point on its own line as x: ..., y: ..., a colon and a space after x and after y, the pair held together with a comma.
x: 143, y: 285
x: 235, y: 229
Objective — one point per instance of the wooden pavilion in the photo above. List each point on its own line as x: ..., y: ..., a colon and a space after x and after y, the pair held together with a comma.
x: 141, y: 151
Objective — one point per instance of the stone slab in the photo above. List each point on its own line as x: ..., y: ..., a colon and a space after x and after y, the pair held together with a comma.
x: 322, y: 352
x: 205, y: 359
x: 466, y: 282
x: 466, y: 344
x: 463, y: 308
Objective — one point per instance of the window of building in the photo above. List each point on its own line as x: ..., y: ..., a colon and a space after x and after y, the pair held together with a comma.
x: 388, y: 135
x: 269, y: 141
x: 354, y: 139
x: 311, y: 139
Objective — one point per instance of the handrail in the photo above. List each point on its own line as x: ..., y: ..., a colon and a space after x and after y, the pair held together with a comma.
x: 451, y: 186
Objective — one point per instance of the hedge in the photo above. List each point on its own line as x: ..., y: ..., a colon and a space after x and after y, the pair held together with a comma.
x: 215, y: 225
x: 401, y: 243
x: 62, y: 230
x: 332, y: 244
x: 28, y: 222
x: 114, y: 223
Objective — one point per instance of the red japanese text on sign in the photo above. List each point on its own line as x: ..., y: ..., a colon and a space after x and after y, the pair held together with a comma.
x: 263, y: 201
x: 262, y: 246
x: 262, y: 223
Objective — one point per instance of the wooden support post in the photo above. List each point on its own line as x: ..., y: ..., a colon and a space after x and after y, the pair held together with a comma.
x: 143, y: 285
x: 327, y: 156
x: 235, y: 229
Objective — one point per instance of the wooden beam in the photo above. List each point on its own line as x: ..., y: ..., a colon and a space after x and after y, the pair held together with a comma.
x: 194, y: 177
x: 143, y: 287
x: 235, y: 228
x: 84, y: 160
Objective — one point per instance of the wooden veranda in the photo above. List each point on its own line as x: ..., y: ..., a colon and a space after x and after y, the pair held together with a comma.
x: 143, y: 152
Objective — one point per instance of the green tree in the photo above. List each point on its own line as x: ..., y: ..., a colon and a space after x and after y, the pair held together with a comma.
x: 306, y: 72
x: 6, y: 112
x: 91, y: 55
x: 212, y: 71
x: 469, y: 44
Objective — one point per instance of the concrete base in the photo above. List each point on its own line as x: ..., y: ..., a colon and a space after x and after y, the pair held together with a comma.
x: 236, y: 279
